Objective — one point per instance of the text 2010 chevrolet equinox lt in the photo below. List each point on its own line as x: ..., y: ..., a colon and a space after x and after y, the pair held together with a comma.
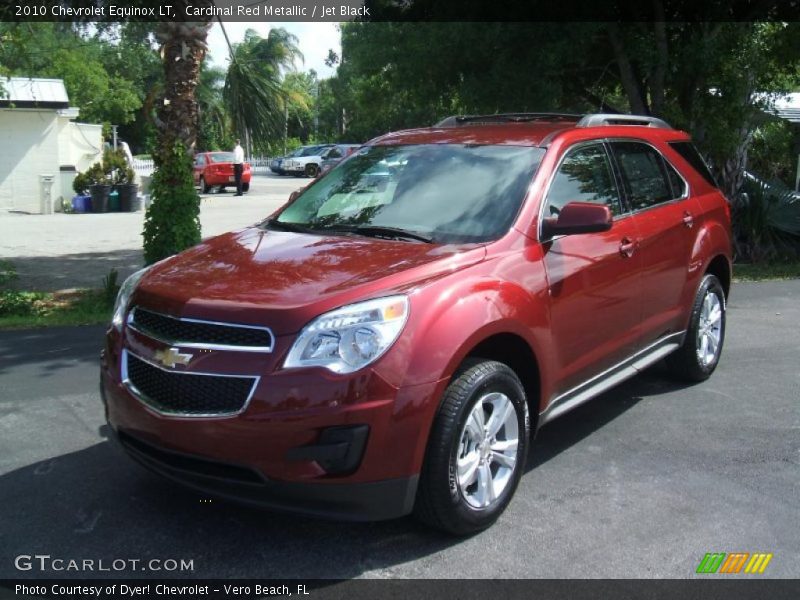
x: 389, y: 340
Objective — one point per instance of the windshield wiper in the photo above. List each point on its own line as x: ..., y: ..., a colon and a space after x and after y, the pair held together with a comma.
x: 394, y: 233
x: 294, y: 227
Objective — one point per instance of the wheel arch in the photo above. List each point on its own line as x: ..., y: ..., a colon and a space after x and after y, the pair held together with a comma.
x: 514, y: 351
x: 720, y: 266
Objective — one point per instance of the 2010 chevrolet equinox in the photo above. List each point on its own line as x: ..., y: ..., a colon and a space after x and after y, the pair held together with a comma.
x: 389, y: 340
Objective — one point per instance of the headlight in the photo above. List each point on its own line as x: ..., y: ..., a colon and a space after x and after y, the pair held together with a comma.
x: 124, y: 296
x: 349, y: 338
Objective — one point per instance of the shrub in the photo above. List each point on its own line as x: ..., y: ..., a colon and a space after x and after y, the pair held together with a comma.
x: 766, y: 223
x: 19, y: 304
x: 172, y: 221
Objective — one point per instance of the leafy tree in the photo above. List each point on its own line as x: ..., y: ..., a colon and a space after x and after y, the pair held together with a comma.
x: 253, y: 92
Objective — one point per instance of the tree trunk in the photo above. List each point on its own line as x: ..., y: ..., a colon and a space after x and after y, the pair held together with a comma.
x: 183, y: 47
x: 633, y: 89
x: 662, y: 52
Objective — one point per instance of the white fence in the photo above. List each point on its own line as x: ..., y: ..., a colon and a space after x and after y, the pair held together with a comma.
x: 259, y: 165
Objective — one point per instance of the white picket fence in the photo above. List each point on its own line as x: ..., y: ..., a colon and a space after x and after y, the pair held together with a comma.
x: 259, y: 165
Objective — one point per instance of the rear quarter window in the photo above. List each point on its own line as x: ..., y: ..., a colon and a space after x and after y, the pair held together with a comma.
x: 690, y: 154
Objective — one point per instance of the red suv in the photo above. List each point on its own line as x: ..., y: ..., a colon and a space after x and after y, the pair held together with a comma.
x: 389, y: 340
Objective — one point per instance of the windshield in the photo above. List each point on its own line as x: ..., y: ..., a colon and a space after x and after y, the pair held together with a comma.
x: 445, y: 192
x: 310, y: 151
x: 221, y: 157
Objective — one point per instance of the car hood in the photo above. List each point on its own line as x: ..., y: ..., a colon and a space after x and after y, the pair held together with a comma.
x: 284, y: 279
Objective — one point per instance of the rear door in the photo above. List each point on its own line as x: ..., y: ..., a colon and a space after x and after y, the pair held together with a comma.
x: 199, y: 165
x: 594, y: 279
x: 664, y: 213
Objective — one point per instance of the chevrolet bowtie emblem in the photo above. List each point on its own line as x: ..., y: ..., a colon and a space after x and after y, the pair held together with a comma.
x: 171, y: 357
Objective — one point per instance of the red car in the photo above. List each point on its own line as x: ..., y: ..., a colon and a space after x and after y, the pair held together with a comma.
x: 389, y: 340
x: 215, y: 170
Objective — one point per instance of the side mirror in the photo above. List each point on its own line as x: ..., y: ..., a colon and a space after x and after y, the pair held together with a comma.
x: 576, y: 218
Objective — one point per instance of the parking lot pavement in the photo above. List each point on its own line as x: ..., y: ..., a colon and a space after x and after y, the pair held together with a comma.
x: 640, y: 482
x: 59, y: 251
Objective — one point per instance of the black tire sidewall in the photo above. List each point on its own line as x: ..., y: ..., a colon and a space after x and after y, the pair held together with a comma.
x: 462, y: 517
x: 713, y: 284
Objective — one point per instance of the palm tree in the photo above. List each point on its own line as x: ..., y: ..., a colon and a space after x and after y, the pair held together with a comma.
x: 172, y: 221
x: 253, y: 92
x: 183, y: 47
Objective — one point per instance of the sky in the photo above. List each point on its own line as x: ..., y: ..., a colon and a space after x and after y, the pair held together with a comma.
x: 315, y: 41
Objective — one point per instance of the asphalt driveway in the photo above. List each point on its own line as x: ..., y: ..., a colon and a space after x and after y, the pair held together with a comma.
x: 641, y: 482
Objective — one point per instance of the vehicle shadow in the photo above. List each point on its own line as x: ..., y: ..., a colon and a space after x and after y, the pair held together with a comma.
x: 96, y: 503
x: 569, y: 429
x: 42, y: 353
x: 77, y: 270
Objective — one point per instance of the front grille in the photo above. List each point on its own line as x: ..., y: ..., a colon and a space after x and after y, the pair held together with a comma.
x: 190, y: 394
x: 173, y: 330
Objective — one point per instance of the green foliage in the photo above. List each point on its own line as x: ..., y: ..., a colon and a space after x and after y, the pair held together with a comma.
x: 254, y: 96
x: 172, y: 221
x: 19, y: 304
x: 94, y: 175
x: 113, y: 169
x: 116, y: 168
x: 766, y: 222
x: 8, y: 273
x: 111, y: 286
x: 771, y: 155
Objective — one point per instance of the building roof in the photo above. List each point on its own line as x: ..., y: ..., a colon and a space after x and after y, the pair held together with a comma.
x: 26, y: 92
x: 788, y: 107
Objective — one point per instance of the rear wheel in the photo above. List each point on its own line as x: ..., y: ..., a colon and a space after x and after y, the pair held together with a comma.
x: 699, y: 355
x: 203, y: 187
x: 477, y: 449
x: 311, y: 170
x: 245, y: 187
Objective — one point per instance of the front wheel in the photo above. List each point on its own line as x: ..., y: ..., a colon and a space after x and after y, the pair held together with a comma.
x: 311, y: 170
x: 699, y: 355
x: 477, y: 449
x: 203, y: 187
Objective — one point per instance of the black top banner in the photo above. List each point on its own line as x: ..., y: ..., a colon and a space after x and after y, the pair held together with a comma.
x: 399, y: 10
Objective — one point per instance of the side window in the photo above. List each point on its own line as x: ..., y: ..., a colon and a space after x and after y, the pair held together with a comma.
x: 645, y: 175
x: 334, y: 153
x: 584, y: 176
x: 692, y: 156
x: 199, y: 161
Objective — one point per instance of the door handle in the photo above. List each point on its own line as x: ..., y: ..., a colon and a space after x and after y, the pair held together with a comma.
x: 627, y: 247
x: 688, y: 219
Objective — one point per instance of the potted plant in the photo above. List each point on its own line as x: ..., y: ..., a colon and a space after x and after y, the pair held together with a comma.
x: 100, y: 187
x: 122, y: 176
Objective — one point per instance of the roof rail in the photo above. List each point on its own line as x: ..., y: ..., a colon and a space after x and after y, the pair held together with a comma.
x: 457, y: 120
x: 598, y: 120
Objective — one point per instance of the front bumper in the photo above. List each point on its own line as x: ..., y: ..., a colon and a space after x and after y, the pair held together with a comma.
x: 371, y: 501
x: 267, y: 454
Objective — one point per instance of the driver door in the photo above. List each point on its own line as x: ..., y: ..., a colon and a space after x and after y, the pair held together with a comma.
x: 594, y: 279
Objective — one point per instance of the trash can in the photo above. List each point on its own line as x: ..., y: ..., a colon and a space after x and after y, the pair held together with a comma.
x: 113, y: 201
x: 46, y: 194
x: 82, y: 204
x: 100, y: 195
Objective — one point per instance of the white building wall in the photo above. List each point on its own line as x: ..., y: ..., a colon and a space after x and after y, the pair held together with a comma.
x: 80, y: 144
x: 28, y: 148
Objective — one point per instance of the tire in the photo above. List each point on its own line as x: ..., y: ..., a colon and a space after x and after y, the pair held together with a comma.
x: 203, y: 187
x: 311, y: 170
x: 696, y: 359
x: 457, y: 501
x: 245, y: 187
